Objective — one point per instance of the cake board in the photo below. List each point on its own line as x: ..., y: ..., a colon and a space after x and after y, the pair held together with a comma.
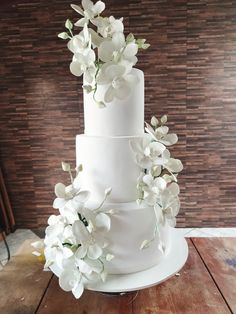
x: 171, y: 263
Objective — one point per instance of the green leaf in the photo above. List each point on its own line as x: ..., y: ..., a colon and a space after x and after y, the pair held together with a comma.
x: 164, y: 119
x: 79, y: 168
x: 65, y: 166
x: 140, y: 41
x: 68, y: 24
x: 63, y: 35
x: 154, y: 121
x: 130, y: 38
x: 145, y: 46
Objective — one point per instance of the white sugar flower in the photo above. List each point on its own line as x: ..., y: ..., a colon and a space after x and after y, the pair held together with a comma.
x: 148, y: 153
x: 110, y: 48
x: 66, y: 193
x: 89, y: 11
x: 71, y: 280
x: 171, y: 164
x: 107, y: 26
x: 161, y: 135
x: 56, y: 255
x: 83, y: 63
x: 167, y: 207
x: 119, y: 81
x: 89, y: 246
x: 152, y: 188
x: 129, y: 53
x: 80, y: 42
x: 116, y: 49
x: 88, y: 266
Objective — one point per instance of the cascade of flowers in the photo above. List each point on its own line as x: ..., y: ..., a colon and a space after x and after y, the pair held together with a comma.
x: 157, y: 184
x: 101, y: 52
x: 75, y: 245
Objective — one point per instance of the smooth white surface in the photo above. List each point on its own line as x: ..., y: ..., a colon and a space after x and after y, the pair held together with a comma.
x: 107, y: 162
x: 167, y: 267
x: 120, y: 117
x: 130, y: 226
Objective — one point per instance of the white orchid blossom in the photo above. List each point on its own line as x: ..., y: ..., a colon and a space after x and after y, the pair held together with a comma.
x: 71, y: 280
x: 147, y: 153
x: 67, y: 194
x: 111, y: 48
x: 161, y: 135
x: 89, y: 11
x: 107, y: 26
x: 117, y: 49
x: 171, y: 164
x: 87, y: 241
x: 83, y: 63
x: 153, y: 187
x: 80, y: 42
x: 118, y: 80
x: 167, y: 207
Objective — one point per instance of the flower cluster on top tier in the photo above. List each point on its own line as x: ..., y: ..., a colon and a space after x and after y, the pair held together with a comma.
x: 157, y: 184
x: 75, y: 245
x: 101, y: 52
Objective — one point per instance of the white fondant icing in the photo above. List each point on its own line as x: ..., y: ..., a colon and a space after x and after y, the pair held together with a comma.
x: 130, y: 226
x: 108, y: 162
x: 118, y: 118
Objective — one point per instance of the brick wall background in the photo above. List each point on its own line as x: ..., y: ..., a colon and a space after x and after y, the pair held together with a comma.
x: 190, y: 74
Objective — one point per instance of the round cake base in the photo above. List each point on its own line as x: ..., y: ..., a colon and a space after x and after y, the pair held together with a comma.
x: 171, y: 263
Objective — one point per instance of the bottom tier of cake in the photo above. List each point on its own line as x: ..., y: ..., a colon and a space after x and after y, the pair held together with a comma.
x: 130, y: 226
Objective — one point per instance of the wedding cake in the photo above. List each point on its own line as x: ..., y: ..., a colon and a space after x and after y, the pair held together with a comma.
x: 115, y: 215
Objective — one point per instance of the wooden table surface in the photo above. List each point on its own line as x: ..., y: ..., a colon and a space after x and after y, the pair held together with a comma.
x: 206, y: 284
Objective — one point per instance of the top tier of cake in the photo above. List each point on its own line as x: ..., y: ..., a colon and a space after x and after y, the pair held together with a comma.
x: 120, y: 117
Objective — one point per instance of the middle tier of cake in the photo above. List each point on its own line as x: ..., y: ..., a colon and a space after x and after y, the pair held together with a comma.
x: 108, y: 162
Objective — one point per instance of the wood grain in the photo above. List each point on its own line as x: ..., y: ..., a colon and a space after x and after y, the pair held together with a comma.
x: 190, y: 73
x: 26, y: 289
x: 219, y: 256
x: 22, y: 283
x: 193, y: 292
x: 90, y: 302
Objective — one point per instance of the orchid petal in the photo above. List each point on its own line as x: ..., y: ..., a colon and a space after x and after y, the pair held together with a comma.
x: 81, y: 22
x: 78, y: 290
x: 59, y: 203
x: 77, y: 9
x: 103, y: 221
x: 98, y: 8
x: 75, y: 68
x: 109, y: 95
x: 80, y: 232
x: 94, y: 251
x: 60, y: 190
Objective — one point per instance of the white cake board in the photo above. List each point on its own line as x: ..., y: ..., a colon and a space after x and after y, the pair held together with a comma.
x: 171, y: 263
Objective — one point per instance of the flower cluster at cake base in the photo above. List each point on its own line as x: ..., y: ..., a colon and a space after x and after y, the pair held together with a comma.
x: 101, y: 52
x: 157, y: 184
x: 75, y: 246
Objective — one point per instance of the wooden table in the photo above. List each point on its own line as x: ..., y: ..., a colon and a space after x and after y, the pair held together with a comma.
x: 206, y: 284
